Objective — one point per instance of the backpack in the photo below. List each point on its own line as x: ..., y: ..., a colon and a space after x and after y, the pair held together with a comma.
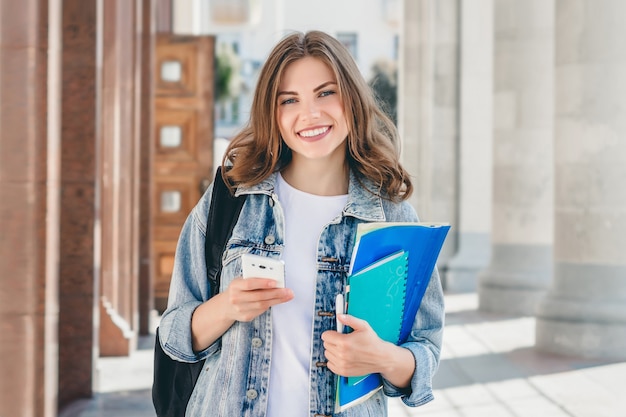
x: 173, y: 381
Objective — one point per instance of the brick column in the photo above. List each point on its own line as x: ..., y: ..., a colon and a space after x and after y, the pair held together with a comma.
x: 119, y: 179
x: 77, y: 293
x: 584, y: 312
x: 521, y: 260
x: 29, y: 207
x: 144, y: 59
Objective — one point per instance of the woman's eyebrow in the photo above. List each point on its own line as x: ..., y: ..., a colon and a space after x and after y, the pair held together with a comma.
x: 288, y: 93
x: 324, y: 85
x: 315, y: 90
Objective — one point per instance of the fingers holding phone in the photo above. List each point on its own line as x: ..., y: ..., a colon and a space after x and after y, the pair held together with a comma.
x: 248, y: 298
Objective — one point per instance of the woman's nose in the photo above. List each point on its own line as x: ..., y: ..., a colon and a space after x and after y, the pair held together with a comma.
x: 311, y: 111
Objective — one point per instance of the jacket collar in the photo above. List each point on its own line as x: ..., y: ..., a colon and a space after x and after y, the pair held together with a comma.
x: 361, y: 203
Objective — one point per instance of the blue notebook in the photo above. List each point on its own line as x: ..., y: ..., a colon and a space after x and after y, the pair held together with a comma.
x: 422, y: 240
x: 421, y: 243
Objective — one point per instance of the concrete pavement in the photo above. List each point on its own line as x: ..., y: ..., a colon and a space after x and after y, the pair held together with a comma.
x: 489, y: 368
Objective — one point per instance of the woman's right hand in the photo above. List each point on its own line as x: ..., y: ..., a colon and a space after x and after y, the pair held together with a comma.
x: 243, y: 300
x: 249, y: 298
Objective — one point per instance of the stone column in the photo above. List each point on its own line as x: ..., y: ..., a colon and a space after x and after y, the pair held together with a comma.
x: 428, y: 109
x: 521, y: 260
x: 415, y: 96
x: 29, y: 207
x: 584, y: 312
x: 444, y: 166
x: 475, y: 146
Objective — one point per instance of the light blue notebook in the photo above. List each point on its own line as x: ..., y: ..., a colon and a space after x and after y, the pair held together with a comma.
x: 422, y: 240
x: 376, y: 294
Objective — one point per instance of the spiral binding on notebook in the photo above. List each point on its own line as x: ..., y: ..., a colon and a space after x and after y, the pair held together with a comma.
x: 403, y: 272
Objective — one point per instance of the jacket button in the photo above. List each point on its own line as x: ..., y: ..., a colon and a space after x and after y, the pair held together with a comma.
x: 251, y: 394
x: 271, y: 202
x: 269, y: 239
x: 257, y: 342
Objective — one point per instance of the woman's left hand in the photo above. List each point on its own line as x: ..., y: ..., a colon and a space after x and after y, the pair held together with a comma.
x: 356, y: 353
x: 362, y: 352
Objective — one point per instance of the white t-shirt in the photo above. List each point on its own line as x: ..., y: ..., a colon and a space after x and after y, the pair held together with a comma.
x: 292, y: 322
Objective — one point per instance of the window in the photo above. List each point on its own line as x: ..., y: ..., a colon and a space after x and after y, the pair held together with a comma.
x: 396, y: 47
x: 350, y: 41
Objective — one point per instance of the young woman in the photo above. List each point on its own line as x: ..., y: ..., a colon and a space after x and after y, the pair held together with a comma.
x: 317, y: 158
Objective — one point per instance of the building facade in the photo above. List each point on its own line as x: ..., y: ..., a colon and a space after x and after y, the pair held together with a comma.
x: 513, y: 125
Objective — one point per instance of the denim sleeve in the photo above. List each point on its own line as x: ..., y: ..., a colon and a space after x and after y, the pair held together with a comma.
x: 425, y: 344
x: 425, y: 338
x: 189, y: 287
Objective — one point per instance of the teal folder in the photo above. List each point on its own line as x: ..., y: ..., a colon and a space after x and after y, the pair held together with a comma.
x: 376, y: 294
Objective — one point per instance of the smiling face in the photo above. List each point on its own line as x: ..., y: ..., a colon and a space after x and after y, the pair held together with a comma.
x: 310, y: 112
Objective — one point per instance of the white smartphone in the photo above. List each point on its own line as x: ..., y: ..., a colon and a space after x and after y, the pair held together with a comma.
x: 263, y: 267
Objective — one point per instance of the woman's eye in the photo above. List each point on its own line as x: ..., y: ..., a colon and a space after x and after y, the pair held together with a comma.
x: 326, y: 93
x: 288, y: 101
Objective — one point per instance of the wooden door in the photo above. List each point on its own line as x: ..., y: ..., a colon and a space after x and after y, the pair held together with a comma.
x: 183, y: 156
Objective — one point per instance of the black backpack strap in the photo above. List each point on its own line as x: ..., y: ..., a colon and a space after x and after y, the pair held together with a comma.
x: 174, y: 381
x: 223, y: 215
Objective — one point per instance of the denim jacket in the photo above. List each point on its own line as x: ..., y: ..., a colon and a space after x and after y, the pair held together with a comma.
x: 235, y: 377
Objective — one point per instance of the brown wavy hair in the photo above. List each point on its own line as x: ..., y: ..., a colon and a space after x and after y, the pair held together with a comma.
x: 372, y: 144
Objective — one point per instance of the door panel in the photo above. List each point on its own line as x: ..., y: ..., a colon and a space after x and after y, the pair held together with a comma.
x: 176, y: 136
x: 183, y: 144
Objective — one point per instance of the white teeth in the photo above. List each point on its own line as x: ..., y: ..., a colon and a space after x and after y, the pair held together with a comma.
x: 313, y: 132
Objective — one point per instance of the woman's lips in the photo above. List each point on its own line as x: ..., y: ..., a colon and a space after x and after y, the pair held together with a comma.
x: 312, y: 135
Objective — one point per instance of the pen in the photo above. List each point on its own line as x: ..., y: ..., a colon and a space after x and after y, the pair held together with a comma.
x: 338, y: 311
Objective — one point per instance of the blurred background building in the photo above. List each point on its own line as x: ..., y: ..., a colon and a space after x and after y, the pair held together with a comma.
x: 114, y: 114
